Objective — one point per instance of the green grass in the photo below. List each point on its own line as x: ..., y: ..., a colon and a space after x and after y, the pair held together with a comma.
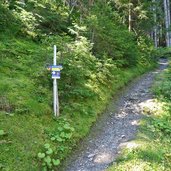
x: 26, y: 104
x: 151, y: 150
x: 24, y: 136
x: 22, y: 63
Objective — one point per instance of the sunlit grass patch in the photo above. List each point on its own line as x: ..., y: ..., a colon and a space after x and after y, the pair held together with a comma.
x: 147, y: 152
x: 137, y: 165
x: 152, y: 106
x: 20, y: 139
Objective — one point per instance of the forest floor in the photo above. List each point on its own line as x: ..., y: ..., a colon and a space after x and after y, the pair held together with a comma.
x: 117, y: 126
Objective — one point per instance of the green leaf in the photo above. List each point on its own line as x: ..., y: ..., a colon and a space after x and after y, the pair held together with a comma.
x: 47, y: 159
x: 41, y: 155
x: 59, y: 139
x: 72, y: 129
x: 50, y: 151
x: 47, y: 146
x: 1, y: 166
x: 44, y: 169
x: 61, y: 148
x: 62, y: 134
x: 60, y: 128
x: 2, y: 132
x: 53, y: 138
x: 66, y: 126
x: 69, y: 135
x: 56, y: 162
x: 49, y: 165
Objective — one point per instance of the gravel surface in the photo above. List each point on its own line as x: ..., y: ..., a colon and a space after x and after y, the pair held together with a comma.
x: 115, y: 127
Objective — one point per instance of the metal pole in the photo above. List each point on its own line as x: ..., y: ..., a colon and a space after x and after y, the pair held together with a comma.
x: 54, y: 96
x: 55, y: 89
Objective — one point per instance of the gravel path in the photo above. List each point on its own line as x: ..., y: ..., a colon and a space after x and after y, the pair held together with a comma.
x: 117, y: 125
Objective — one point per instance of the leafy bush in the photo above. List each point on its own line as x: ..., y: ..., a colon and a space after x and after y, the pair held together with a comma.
x: 48, y: 162
x: 7, y: 21
x: 162, y: 125
x: 163, y: 90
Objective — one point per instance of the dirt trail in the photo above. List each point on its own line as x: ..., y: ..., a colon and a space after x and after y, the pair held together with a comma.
x: 117, y: 125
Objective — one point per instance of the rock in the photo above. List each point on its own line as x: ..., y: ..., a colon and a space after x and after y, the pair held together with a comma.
x: 91, y: 155
x: 122, y: 136
x: 133, y: 98
x: 90, y: 159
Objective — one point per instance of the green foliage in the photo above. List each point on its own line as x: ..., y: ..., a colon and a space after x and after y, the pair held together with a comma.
x: 110, y: 36
x: 146, y: 51
x: 2, y: 133
x: 162, y: 52
x: 28, y: 21
x: 7, y: 21
x: 48, y: 162
x: 63, y: 132
x: 162, y: 125
x: 163, y: 90
x: 41, y: 155
x: 54, y: 151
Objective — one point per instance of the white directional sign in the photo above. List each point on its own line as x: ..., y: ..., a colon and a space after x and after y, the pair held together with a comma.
x: 56, y: 74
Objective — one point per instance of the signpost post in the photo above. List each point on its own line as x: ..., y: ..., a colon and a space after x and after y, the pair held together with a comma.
x: 55, y: 88
x: 56, y: 70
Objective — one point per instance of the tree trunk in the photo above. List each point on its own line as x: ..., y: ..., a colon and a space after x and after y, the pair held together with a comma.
x: 166, y: 22
x: 130, y: 17
x: 155, y: 21
x: 169, y: 22
x: 90, y: 3
x: 155, y: 26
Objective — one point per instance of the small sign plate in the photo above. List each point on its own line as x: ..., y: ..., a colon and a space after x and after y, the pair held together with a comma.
x: 55, y: 67
x: 56, y: 74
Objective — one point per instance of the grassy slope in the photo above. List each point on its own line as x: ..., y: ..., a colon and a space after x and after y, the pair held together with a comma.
x: 25, y: 82
x: 21, y: 61
x: 151, y: 150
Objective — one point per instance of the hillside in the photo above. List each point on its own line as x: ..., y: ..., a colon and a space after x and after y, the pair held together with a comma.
x: 99, y: 56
